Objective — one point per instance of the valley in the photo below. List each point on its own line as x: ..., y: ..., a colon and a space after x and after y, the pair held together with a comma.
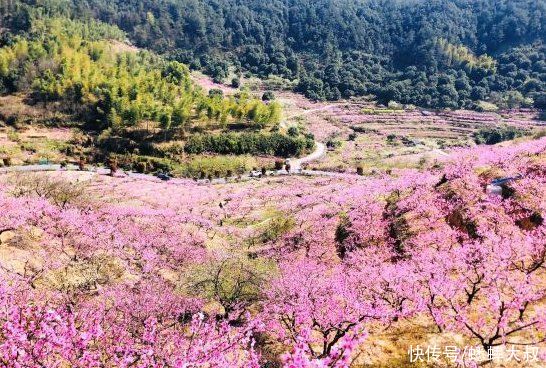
x: 282, y: 184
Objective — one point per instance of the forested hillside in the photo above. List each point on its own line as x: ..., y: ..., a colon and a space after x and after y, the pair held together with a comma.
x: 439, y: 53
x: 132, y: 101
x: 78, y: 64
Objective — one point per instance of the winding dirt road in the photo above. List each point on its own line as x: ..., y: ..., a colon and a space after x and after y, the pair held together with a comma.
x: 296, y: 163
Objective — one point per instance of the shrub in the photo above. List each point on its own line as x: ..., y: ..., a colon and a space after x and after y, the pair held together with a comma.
x: 360, y: 170
x: 407, y: 142
x: 215, y: 92
x: 279, y: 165
x: 359, y: 129
x: 393, y: 105
x: 141, y: 167
x: 496, y: 135
x: 248, y: 143
x: 7, y: 161
x: 276, y: 225
x: 343, y: 232
x: 391, y: 138
x: 309, y: 136
x: 293, y: 131
x: 352, y: 136
x: 12, y: 120
x: 268, y: 96
x: 484, y: 106
x: 236, y: 82
x: 332, y: 143
x: 218, y: 166
x: 167, y: 150
x: 116, y: 144
x: 540, y: 101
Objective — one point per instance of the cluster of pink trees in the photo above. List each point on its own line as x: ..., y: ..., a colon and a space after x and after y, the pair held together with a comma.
x: 436, y: 245
x: 102, y: 284
x: 56, y: 332
x: 90, y: 293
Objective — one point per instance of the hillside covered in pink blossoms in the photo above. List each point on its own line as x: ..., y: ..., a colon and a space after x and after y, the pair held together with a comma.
x: 291, y: 271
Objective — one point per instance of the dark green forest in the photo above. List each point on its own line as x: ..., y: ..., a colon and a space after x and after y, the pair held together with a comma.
x: 439, y: 53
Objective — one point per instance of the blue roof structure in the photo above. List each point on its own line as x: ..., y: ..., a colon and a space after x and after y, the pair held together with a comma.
x: 502, y: 181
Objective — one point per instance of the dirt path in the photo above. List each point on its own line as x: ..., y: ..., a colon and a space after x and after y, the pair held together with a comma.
x: 320, y: 150
x: 284, y: 123
x: 296, y: 163
x: 307, y: 112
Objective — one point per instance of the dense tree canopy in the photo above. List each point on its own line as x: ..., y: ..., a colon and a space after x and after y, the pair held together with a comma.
x: 432, y: 53
x: 77, y: 63
x: 84, y: 69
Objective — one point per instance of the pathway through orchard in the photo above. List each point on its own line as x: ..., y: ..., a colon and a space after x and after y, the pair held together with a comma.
x: 296, y: 163
x: 295, y: 169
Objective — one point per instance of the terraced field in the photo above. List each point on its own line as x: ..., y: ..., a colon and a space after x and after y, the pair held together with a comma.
x: 441, y: 125
x: 381, y: 139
